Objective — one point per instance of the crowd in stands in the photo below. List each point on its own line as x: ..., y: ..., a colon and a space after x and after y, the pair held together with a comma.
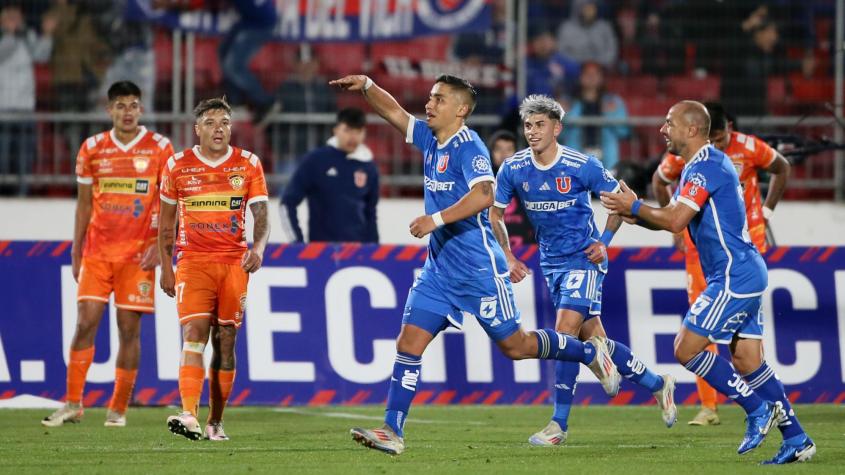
x: 599, y: 58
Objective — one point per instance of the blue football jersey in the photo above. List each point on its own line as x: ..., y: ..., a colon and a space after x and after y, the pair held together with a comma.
x: 466, y: 249
x: 556, y: 199
x: 709, y: 184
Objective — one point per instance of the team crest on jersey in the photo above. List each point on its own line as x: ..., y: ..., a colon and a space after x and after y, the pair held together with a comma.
x: 360, y: 178
x: 442, y: 163
x: 564, y: 184
x: 525, y: 186
x: 488, y: 307
x: 236, y: 181
x: 697, y: 179
x: 480, y: 164
x: 141, y: 164
x: 607, y: 175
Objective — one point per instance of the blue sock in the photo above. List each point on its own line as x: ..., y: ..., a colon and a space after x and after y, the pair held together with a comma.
x: 565, y: 374
x: 403, y: 386
x: 552, y: 345
x: 632, y: 368
x: 721, y: 375
x: 768, y: 386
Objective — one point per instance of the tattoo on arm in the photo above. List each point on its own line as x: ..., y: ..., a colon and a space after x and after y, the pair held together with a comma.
x: 486, y: 187
x: 261, y: 229
x: 500, y: 230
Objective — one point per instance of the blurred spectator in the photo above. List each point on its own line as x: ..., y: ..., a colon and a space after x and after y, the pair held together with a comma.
x: 131, y: 45
x: 340, y: 182
x: 20, y: 48
x: 547, y: 71
x: 247, y: 36
x: 586, y: 37
x: 520, y: 232
x: 593, y: 100
x: 484, y: 46
x: 745, y: 85
x: 661, y: 39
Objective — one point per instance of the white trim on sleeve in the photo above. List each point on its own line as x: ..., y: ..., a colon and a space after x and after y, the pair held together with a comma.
x: 663, y: 176
x: 167, y: 200
x: 409, y: 131
x: 500, y: 205
x: 479, y: 179
x: 256, y: 199
x: 85, y: 180
x: 686, y: 201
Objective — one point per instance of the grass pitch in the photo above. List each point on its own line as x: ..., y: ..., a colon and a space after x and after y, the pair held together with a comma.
x: 439, y: 439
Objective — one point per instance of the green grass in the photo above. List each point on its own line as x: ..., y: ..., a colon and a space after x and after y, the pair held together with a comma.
x: 440, y: 439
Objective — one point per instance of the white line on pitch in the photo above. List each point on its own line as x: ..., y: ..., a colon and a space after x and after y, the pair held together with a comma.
x: 349, y: 415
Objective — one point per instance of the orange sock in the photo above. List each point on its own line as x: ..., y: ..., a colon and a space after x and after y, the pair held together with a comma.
x: 190, y: 387
x: 124, y: 383
x: 706, y: 392
x: 77, y: 370
x: 220, y: 387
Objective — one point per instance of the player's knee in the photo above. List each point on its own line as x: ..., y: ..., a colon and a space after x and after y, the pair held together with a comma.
x: 681, y: 355
x: 745, y: 364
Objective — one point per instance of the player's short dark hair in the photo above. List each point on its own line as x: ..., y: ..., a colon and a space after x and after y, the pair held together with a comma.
x: 502, y: 134
x: 123, y: 88
x: 214, y: 103
x: 718, y: 116
x: 463, y: 86
x: 353, y: 117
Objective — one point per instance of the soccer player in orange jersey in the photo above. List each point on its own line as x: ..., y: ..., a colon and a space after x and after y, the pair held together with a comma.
x: 114, y: 246
x: 210, y: 186
x: 749, y: 155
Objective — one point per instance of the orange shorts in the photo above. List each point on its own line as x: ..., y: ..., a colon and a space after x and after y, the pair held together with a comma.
x: 133, y: 287
x: 211, y: 290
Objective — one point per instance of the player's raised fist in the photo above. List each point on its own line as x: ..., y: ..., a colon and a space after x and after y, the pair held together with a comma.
x: 354, y: 82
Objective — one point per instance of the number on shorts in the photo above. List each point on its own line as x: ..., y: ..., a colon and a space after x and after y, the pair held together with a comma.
x: 180, y: 291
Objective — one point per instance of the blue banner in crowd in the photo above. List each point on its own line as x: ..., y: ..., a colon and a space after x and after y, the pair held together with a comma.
x: 321, y: 321
x: 321, y: 20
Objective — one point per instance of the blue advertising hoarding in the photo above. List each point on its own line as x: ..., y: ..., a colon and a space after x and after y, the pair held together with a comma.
x: 321, y: 321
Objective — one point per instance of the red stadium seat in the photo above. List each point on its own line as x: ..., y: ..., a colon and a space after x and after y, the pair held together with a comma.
x: 686, y: 87
x: 273, y: 62
x: 208, y: 74
x: 810, y: 90
x: 340, y: 59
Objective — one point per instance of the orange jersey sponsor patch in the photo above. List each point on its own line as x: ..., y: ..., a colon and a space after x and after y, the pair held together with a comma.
x: 211, y: 199
x: 124, y: 179
x: 749, y: 154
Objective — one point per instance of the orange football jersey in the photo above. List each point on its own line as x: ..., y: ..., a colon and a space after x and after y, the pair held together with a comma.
x: 748, y: 154
x: 211, y: 198
x: 124, y: 179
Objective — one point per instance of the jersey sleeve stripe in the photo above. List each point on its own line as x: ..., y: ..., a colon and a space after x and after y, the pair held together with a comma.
x: 253, y: 160
x: 500, y: 205
x: 257, y: 199
x: 167, y: 200
x: 479, y: 179
x: 692, y: 204
x: 663, y: 175
x: 85, y: 180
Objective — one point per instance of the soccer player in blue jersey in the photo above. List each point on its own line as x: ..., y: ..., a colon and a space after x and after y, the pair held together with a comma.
x: 709, y: 202
x: 466, y: 271
x: 554, y: 183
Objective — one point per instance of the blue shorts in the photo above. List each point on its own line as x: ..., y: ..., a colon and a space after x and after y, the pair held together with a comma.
x: 719, y: 316
x: 576, y: 289
x: 435, y: 303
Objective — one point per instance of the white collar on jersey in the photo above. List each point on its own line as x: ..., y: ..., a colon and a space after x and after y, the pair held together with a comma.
x: 362, y: 153
x: 444, y: 144
x: 125, y: 147
x: 542, y: 167
x: 212, y: 163
x: 698, y: 155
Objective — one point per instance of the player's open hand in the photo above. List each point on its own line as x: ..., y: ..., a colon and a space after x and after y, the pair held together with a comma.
x: 422, y: 225
x: 167, y: 281
x: 251, y: 261
x: 596, y: 252
x: 354, y: 82
x: 518, y: 269
x: 620, y: 202
x: 150, y: 259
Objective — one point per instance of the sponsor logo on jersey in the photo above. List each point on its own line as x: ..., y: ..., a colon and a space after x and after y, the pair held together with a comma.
x: 233, y: 169
x: 116, y: 208
x: 360, y: 178
x: 525, y: 186
x: 193, y: 181
x: 124, y: 186
x: 236, y: 181
x: 434, y: 185
x: 544, y: 187
x: 564, y: 184
x: 141, y: 164
x: 104, y: 166
x: 192, y: 169
x: 570, y: 163
x: 548, y: 205
x: 480, y: 164
x: 442, y: 163
x: 213, y: 203
x: 211, y: 227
